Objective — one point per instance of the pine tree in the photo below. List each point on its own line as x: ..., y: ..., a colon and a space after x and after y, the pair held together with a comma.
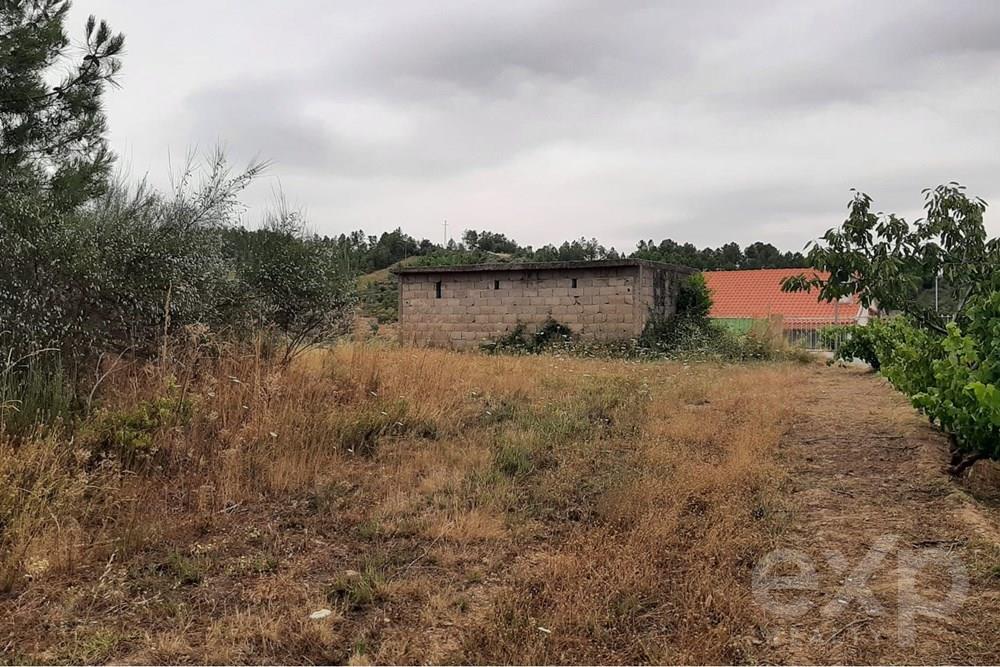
x: 52, y: 137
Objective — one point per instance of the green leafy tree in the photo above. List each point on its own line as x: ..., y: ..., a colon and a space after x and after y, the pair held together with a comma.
x: 946, y: 359
x: 888, y: 262
x: 572, y: 251
x: 487, y: 241
x: 726, y: 257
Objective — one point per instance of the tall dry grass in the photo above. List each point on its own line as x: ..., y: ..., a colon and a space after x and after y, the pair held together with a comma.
x: 444, y: 507
x: 662, y: 574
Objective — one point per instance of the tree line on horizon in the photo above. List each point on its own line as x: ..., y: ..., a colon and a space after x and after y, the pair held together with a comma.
x: 360, y: 253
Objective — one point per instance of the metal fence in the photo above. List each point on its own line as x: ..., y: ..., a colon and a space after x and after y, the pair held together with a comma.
x: 807, y: 332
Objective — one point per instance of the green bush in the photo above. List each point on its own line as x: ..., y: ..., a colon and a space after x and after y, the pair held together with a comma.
x: 550, y: 334
x: 906, y: 353
x: 694, y: 299
x: 689, y: 328
x: 128, y: 436
x: 380, y: 299
x: 855, y: 341
x: 953, y: 380
x: 289, y: 284
x: 963, y: 395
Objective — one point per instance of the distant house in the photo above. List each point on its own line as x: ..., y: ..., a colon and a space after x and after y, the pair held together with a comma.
x: 740, y: 297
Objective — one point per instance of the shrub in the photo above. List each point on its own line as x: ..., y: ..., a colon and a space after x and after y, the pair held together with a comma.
x: 962, y: 394
x: 694, y: 299
x: 687, y: 329
x: 380, y: 299
x: 288, y: 283
x: 550, y: 334
x: 953, y: 380
x: 135, y: 268
x: 128, y: 436
x: 906, y: 353
x: 120, y: 272
x: 853, y: 341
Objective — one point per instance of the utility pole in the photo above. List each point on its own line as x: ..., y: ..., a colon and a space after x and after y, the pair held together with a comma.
x: 936, y: 290
x: 445, y: 233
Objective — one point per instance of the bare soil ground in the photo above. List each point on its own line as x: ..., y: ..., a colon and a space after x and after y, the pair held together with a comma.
x: 869, y: 477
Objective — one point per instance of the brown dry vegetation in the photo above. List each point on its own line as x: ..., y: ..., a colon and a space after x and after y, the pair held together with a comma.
x: 444, y: 507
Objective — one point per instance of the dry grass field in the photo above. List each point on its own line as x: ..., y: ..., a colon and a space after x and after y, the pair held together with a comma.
x: 443, y: 508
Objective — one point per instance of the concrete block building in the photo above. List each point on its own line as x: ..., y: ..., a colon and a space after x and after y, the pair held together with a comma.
x: 464, y: 306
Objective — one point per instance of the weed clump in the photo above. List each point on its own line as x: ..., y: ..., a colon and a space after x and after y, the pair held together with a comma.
x: 184, y: 570
x: 128, y: 435
x: 514, y: 459
x: 360, y: 433
x: 549, y: 335
x: 357, y: 590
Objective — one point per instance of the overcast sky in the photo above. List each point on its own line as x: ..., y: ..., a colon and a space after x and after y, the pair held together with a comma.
x: 703, y: 122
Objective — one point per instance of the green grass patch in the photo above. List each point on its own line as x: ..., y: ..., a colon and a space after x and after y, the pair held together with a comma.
x: 358, y: 589
x: 184, y: 570
x: 360, y: 433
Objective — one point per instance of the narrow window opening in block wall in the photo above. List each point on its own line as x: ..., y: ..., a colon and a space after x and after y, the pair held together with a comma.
x: 573, y: 283
x: 437, y: 290
x: 496, y: 284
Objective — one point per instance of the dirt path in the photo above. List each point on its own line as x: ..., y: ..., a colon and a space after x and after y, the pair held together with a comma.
x: 872, y: 502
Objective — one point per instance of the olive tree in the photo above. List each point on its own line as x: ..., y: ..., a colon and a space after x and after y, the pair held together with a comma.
x: 291, y: 284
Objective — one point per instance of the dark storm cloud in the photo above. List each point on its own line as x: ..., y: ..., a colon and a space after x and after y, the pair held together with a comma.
x: 702, y: 121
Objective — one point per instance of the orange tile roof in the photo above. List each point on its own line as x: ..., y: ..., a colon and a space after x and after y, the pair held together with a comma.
x: 756, y: 293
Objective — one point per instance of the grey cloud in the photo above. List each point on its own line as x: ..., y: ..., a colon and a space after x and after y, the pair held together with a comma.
x: 587, y: 43
x: 812, y: 56
x: 700, y: 121
x: 262, y: 115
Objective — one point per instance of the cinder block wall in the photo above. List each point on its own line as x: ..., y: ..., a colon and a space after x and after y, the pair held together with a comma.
x: 607, y: 303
